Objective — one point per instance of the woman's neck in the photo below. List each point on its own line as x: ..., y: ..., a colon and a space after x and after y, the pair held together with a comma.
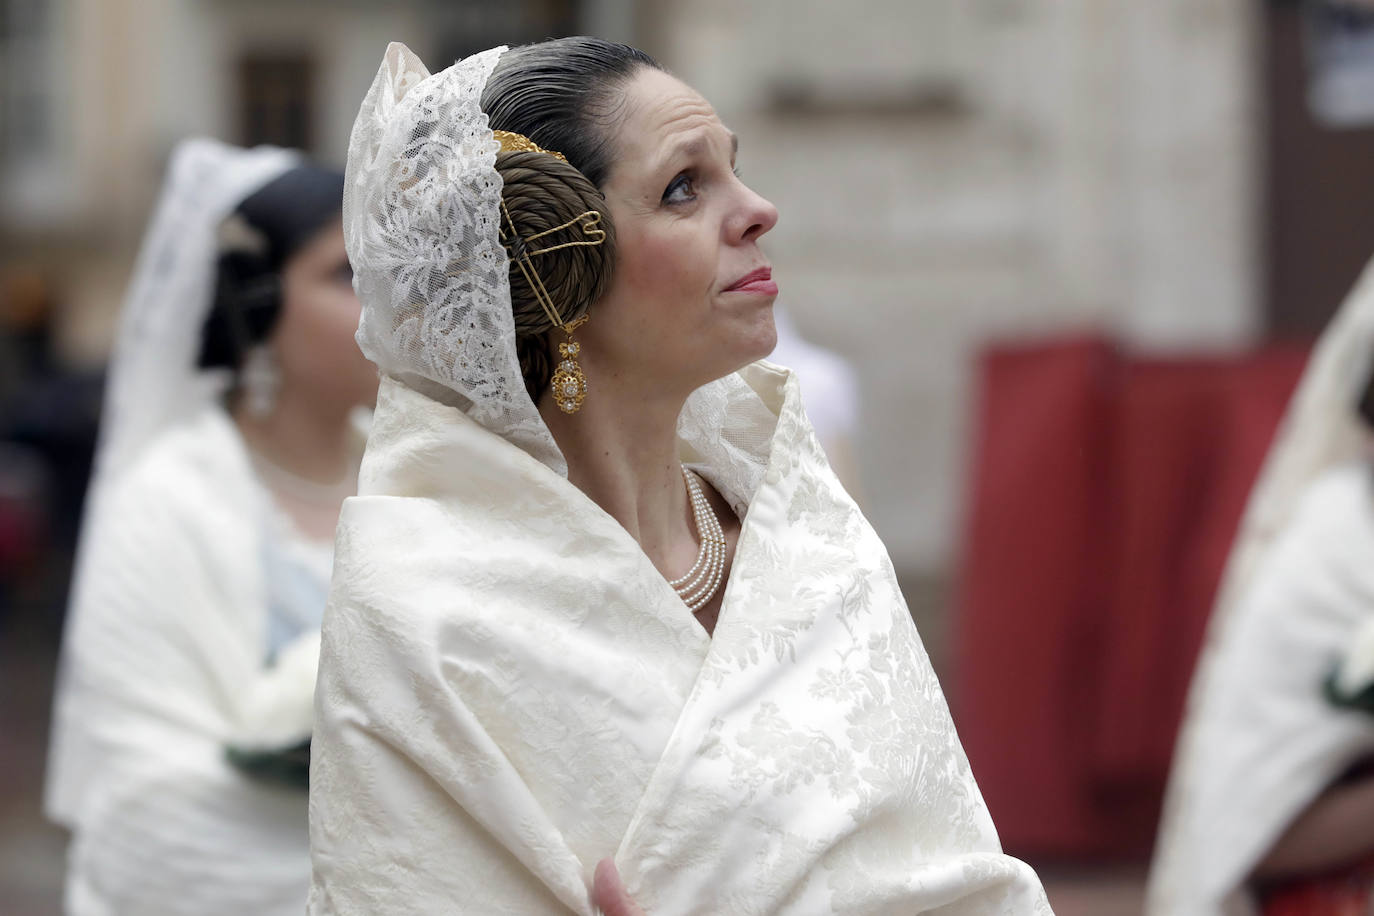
x: 621, y: 449
x: 302, y: 437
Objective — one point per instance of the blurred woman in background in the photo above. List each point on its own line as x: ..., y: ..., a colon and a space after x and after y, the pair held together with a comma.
x: 229, y: 440
x: 1271, y: 800
x: 830, y: 390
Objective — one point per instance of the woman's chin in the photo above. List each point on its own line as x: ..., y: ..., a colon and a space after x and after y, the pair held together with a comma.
x: 770, y: 341
x: 763, y: 338
x: 762, y: 349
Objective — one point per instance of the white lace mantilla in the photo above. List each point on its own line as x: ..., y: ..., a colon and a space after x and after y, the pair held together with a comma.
x: 421, y: 210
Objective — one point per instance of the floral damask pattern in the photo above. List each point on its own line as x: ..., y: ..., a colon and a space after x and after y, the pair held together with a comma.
x: 486, y: 686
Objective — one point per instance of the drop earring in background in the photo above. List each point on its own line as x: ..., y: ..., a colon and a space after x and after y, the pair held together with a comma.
x: 259, y: 380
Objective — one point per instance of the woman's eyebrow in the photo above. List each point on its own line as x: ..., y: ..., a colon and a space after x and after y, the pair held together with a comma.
x: 695, y: 146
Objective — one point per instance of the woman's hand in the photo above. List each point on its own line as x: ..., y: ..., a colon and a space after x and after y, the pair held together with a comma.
x: 608, y: 892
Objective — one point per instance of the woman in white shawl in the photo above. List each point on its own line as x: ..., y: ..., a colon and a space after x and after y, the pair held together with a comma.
x: 183, y: 709
x: 1271, y: 782
x: 610, y: 603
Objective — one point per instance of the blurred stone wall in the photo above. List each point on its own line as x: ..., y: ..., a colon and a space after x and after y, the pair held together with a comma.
x: 952, y: 172
x: 949, y: 172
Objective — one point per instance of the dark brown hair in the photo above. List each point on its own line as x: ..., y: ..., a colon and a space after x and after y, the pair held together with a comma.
x: 565, y: 95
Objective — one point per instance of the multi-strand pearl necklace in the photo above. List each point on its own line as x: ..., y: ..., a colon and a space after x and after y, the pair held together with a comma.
x: 699, y: 584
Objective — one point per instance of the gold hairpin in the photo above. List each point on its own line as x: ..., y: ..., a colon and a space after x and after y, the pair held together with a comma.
x: 590, y: 221
x: 569, y: 382
x: 512, y: 142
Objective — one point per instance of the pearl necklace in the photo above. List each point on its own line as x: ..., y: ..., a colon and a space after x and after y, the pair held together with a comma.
x: 278, y: 479
x: 700, y: 582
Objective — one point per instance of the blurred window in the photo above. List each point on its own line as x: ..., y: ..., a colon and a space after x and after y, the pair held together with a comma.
x: 863, y: 64
x: 1318, y: 75
x: 1340, y: 51
x: 27, y: 98
x: 464, y: 28
x: 24, y: 124
x: 276, y: 99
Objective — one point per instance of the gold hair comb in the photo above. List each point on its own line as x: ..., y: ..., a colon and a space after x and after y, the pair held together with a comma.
x: 512, y: 142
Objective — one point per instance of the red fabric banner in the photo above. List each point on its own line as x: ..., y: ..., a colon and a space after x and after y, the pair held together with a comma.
x: 1104, y: 494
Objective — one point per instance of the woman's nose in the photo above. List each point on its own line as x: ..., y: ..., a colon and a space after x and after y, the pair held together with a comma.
x: 756, y: 215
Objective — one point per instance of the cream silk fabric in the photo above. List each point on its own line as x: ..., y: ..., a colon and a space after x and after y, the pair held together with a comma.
x: 509, y: 692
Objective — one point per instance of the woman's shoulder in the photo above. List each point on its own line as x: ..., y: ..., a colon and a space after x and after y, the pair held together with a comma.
x: 1339, y: 500
x: 1320, y: 557
x: 200, y: 459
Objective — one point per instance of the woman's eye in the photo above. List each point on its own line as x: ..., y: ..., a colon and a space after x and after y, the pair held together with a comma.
x: 680, y: 190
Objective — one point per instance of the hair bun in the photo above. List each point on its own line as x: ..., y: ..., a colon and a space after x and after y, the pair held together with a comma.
x: 541, y: 193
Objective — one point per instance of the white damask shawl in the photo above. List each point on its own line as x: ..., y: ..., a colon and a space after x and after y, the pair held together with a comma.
x: 509, y: 691
x: 164, y: 665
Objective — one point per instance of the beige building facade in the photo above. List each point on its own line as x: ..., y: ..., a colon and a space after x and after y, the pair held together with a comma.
x: 952, y: 173
x: 949, y: 172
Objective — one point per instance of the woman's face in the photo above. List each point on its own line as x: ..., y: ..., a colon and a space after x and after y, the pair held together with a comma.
x: 313, y: 340
x: 691, y: 299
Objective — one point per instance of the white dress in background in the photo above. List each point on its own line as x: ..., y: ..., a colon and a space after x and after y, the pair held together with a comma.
x: 1267, y: 740
x: 829, y: 387
x: 189, y: 581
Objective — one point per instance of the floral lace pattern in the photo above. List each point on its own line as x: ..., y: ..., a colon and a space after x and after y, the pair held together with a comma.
x: 421, y: 208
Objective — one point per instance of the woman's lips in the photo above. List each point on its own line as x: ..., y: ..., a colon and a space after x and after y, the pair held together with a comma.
x: 760, y: 282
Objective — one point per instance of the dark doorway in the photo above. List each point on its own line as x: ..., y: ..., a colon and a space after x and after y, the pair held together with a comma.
x: 1319, y: 220
x: 276, y: 99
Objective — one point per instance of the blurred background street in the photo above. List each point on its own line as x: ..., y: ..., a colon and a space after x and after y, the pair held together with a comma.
x: 1074, y: 251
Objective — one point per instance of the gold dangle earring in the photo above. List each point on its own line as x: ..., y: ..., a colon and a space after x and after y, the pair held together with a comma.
x: 569, y: 381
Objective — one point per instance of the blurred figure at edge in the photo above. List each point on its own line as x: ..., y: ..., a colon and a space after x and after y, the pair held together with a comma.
x: 1271, y: 799
x: 229, y: 439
